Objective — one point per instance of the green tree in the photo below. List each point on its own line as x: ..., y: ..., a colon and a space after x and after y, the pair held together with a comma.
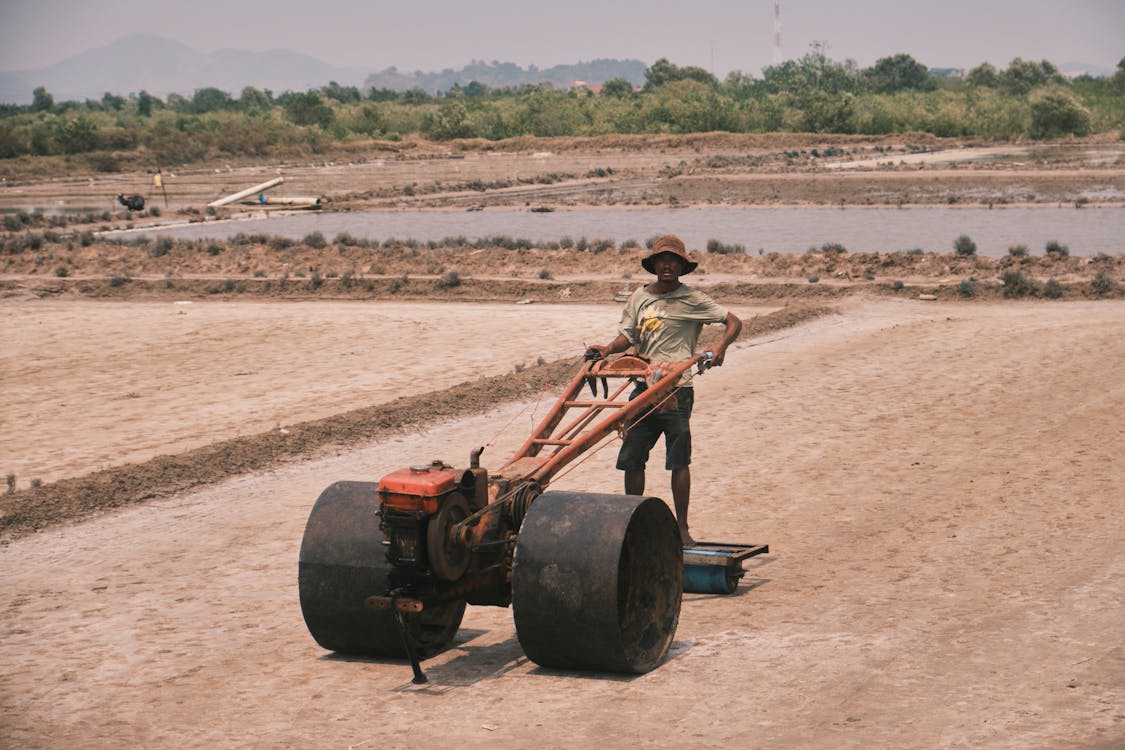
x: 41, y: 100
x: 342, y: 94
x: 662, y: 72
x: 890, y: 74
x: 476, y: 90
x: 145, y: 103
x: 253, y: 99
x: 1056, y: 113
x: 451, y: 121
x: 308, y: 109
x: 77, y: 135
x: 210, y: 99
x: 1021, y: 76
x: 619, y: 88
x: 983, y: 76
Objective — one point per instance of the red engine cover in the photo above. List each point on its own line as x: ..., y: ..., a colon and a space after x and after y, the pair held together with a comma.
x: 417, y: 487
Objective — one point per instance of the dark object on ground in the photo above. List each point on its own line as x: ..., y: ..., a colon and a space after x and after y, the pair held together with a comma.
x: 131, y: 202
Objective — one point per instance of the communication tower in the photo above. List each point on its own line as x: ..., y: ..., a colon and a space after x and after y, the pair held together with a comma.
x: 776, y: 32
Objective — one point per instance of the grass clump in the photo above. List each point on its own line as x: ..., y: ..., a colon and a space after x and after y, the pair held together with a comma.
x: 1056, y: 248
x: 449, y: 280
x: 1103, y: 284
x: 721, y: 248
x: 1018, y: 251
x: 1017, y: 284
x: 965, y: 246
x: 1052, y: 289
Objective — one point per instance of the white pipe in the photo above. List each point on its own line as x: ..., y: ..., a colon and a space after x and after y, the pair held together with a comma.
x: 247, y: 192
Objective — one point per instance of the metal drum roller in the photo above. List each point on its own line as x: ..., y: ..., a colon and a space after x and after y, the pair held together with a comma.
x: 343, y: 562
x: 597, y: 581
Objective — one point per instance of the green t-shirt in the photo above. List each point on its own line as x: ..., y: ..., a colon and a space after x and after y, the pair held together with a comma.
x: 665, y: 328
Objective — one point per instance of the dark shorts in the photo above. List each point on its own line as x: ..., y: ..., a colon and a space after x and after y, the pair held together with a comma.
x: 673, y: 424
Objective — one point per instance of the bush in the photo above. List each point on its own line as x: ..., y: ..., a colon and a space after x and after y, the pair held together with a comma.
x: 449, y: 280
x: 1052, y: 289
x: 1054, y: 247
x: 1016, y: 284
x: 897, y: 285
x: 315, y: 240
x: 161, y: 247
x: 62, y: 272
x: 714, y: 246
x: 1102, y: 284
x: 1018, y: 251
x: 1057, y: 113
x: 965, y: 246
x: 966, y: 288
x: 545, y: 274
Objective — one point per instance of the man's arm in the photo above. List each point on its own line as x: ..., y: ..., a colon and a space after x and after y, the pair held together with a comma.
x: 733, y: 328
x: 616, y: 346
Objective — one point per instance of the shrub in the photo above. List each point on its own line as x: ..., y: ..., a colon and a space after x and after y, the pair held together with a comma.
x: 214, y: 249
x: 1018, y: 251
x: 1052, y: 289
x: 814, y: 279
x: 714, y: 246
x: 314, y: 240
x: 62, y: 272
x: 161, y: 247
x: 966, y: 288
x: 897, y: 285
x: 834, y: 248
x: 11, y: 479
x: 1058, y: 113
x: 545, y: 274
x: 1054, y: 247
x: 964, y: 245
x: 85, y: 239
x: 449, y: 280
x: 1102, y: 284
x: 1017, y: 284
x: 117, y: 280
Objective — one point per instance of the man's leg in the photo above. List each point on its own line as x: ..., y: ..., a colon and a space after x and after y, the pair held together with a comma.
x: 681, y: 498
x: 634, y: 481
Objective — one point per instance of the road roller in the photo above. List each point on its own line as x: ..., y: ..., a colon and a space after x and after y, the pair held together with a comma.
x: 595, y: 581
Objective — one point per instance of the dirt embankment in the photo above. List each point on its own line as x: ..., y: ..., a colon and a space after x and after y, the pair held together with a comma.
x: 260, y: 268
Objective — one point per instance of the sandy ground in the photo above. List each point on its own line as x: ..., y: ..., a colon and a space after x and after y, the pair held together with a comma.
x: 940, y: 485
x: 87, y: 386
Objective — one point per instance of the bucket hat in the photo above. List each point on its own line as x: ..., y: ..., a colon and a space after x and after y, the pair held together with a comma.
x: 669, y: 243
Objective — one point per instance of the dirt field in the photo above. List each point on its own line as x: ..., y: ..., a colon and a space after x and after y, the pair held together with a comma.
x: 940, y: 485
x: 940, y: 482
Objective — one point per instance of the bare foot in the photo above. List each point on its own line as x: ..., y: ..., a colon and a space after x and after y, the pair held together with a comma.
x: 686, y: 537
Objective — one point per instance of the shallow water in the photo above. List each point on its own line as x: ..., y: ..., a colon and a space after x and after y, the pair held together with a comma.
x: 1085, y: 231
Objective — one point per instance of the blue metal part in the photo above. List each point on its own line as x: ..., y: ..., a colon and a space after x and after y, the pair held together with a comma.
x: 710, y: 579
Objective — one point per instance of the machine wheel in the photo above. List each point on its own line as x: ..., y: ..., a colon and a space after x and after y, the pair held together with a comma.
x: 447, y: 561
x: 343, y: 562
x: 597, y: 581
x: 710, y: 579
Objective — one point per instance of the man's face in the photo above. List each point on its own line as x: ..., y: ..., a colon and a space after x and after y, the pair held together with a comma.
x: 668, y: 266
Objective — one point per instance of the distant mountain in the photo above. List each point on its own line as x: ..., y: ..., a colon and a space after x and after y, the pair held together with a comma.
x: 163, y: 66
x: 1074, y: 69
x: 500, y: 74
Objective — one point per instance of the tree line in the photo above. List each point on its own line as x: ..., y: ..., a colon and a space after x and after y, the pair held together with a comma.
x: 814, y: 94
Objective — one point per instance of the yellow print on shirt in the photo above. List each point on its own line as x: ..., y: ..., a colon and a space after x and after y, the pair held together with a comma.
x: 650, y: 323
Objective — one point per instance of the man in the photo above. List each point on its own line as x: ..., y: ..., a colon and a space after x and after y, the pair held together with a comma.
x: 663, y: 321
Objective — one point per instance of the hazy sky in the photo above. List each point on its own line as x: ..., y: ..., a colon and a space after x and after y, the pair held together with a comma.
x: 719, y: 35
